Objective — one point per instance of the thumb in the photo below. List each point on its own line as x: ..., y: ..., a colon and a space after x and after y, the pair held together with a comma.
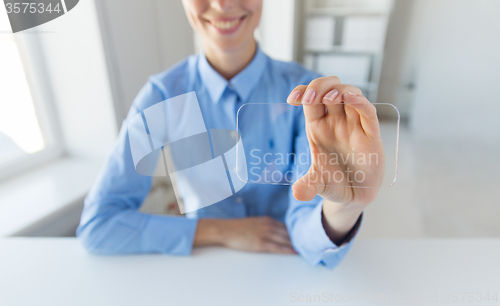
x: 304, y: 189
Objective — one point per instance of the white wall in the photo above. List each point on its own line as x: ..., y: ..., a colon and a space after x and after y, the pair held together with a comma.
x: 75, y: 62
x: 141, y: 38
x: 457, y: 66
x: 277, y: 26
x: 396, y: 75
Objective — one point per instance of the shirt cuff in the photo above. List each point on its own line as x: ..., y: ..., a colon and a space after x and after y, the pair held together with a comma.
x: 170, y: 235
x: 327, y: 252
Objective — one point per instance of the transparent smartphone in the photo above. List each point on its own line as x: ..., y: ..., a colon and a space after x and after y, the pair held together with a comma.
x: 276, y: 151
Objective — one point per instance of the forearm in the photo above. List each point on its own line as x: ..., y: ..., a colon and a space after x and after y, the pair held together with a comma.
x: 339, y: 219
x: 209, y: 233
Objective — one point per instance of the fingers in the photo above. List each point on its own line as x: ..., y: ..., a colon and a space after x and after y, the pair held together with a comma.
x: 304, y: 188
x: 276, y: 231
x: 280, y: 239
x: 359, y: 108
x: 341, y: 101
x: 296, y: 95
x: 311, y: 96
x: 276, y: 238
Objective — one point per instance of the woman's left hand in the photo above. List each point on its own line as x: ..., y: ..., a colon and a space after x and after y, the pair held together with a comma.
x: 340, y: 123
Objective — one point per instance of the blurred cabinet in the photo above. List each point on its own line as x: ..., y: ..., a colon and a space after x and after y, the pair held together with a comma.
x: 345, y: 38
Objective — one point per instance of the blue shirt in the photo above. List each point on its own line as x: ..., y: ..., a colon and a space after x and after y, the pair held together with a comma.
x: 111, y: 222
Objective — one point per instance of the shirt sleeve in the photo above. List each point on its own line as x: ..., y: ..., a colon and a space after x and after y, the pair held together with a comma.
x: 111, y: 222
x: 304, y: 219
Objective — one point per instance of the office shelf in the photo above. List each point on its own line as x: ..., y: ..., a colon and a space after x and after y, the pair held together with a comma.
x: 351, y: 18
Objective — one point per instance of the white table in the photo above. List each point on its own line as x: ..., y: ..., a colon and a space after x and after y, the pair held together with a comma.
x: 40, y: 271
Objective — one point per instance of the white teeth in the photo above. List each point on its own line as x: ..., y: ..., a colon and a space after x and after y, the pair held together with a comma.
x: 226, y: 25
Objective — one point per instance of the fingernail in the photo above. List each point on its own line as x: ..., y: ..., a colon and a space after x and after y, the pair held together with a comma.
x: 352, y: 94
x: 331, y: 95
x: 294, y: 97
x: 309, y: 96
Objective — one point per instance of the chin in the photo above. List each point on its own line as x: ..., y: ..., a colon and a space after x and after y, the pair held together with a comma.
x: 232, y: 45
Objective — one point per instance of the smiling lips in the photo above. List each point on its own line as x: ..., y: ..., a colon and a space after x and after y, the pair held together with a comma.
x: 227, y: 26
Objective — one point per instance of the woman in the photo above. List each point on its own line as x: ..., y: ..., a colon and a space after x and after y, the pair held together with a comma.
x: 321, y: 219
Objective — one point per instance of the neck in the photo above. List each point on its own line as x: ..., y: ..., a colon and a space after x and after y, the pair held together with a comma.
x: 230, y: 63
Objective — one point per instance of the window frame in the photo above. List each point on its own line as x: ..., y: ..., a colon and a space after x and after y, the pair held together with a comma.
x: 38, y: 79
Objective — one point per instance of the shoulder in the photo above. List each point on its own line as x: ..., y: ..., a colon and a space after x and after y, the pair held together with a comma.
x: 170, y: 83
x: 175, y: 80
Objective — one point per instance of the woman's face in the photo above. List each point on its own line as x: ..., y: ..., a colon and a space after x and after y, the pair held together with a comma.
x: 224, y: 24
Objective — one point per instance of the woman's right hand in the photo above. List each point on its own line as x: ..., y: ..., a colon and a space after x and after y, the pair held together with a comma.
x: 256, y: 234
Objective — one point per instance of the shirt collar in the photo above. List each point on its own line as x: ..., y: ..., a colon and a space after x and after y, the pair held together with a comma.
x: 243, y: 83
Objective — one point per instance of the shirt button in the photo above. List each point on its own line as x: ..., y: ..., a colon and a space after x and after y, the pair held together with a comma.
x: 239, y: 200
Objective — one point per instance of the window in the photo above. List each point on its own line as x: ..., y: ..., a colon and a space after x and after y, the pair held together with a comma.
x: 26, y: 134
